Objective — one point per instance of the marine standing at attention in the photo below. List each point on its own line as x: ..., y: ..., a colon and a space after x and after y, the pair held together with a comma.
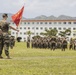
x: 4, y: 35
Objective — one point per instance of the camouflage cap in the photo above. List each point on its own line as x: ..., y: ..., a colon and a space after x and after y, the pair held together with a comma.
x: 5, y: 15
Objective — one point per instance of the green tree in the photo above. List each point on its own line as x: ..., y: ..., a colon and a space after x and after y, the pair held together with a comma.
x: 68, y: 32
x: 29, y: 33
x: 51, y: 32
x: 64, y: 33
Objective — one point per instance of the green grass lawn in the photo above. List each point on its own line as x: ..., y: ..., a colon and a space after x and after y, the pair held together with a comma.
x: 38, y: 62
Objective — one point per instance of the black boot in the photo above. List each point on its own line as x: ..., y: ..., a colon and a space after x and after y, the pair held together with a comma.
x: 8, y: 57
x: 1, y: 57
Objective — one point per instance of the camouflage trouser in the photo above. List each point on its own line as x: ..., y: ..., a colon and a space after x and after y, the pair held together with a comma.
x: 4, y: 44
x: 1, y: 43
x: 28, y: 44
x: 1, y: 46
x: 11, y: 44
x: 6, y: 48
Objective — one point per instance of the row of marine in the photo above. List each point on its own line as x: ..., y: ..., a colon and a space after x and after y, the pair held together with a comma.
x: 47, y: 42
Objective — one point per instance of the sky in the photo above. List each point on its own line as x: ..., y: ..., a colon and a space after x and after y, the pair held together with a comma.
x: 34, y: 8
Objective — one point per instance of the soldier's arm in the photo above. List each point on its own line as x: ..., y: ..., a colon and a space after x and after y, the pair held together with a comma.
x: 14, y: 28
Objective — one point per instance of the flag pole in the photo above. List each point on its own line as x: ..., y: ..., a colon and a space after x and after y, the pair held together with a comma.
x: 19, y: 25
x: 17, y: 29
x: 16, y: 33
x: 17, y: 19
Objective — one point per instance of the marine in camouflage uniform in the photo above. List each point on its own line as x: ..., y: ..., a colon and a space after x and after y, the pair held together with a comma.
x: 71, y: 44
x: 1, y: 42
x: 28, y: 42
x: 12, y: 42
x: 4, y: 28
x: 75, y: 44
x: 64, y: 44
x: 53, y: 43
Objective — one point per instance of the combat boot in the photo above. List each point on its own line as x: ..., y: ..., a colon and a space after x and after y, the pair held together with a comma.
x: 1, y: 57
x: 8, y: 57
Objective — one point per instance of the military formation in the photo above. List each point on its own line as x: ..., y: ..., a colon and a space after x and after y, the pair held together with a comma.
x: 52, y: 43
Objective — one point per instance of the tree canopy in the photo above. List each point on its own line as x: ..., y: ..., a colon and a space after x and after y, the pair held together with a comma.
x: 51, y: 32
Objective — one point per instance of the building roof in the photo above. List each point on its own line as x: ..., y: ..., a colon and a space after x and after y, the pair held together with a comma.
x: 48, y: 21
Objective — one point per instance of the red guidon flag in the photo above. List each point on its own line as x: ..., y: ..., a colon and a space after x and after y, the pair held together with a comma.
x: 17, y: 17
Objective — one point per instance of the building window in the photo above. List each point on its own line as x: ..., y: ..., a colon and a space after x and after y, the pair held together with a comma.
x: 13, y: 33
x: 45, y: 28
x: 64, y: 22
x: 50, y: 28
x: 24, y: 22
x: 20, y: 27
x: 64, y: 28
x: 73, y: 34
x: 59, y: 28
x: 32, y: 27
x: 55, y: 22
x: 50, y: 23
x: 55, y: 28
x: 37, y: 22
x: 37, y: 28
x: 74, y: 22
x: 32, y: 33
x: 20, y: 32
x: 28, y: 22
x: 69, y: 28
x: 41, y: 28
x: 36, y: 33
x: 24, y: 33
x: 24, y: 27
x: 32, y: 22
x: 24, y: 38
x: 45, y: 22
x: 59, y: 22
x: 28, y: 27
x: 41, y: 22
x: 74, y: 28
x: 69, y: 22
